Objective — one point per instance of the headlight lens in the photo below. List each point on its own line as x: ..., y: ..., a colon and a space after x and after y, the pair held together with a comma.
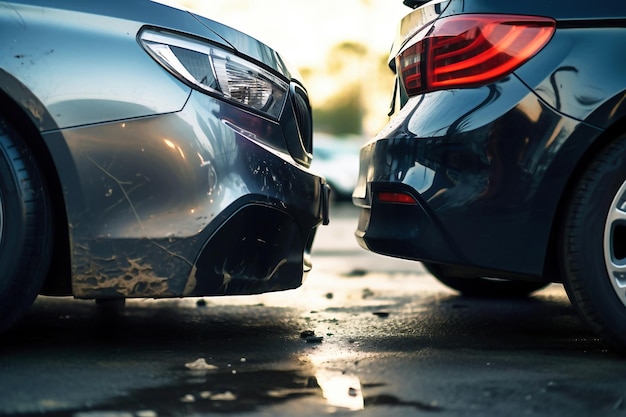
x: 216, y: 71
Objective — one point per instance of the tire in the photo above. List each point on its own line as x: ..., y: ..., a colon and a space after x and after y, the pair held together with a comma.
x: 592, y: 245
x: 480, y: 287
x: 25, y: 227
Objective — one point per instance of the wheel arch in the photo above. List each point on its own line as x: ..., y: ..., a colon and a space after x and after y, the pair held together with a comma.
x: 551, y: 264
x: 59, y: 274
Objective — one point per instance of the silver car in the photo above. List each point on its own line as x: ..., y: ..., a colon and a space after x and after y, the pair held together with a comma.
x: 147, y: 151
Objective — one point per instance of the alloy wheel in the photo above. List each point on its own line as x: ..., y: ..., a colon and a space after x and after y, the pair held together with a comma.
x: 615, y: 243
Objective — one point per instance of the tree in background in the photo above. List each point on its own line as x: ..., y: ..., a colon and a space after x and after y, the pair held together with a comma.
x: 346, y: 89
x: 342, y: 114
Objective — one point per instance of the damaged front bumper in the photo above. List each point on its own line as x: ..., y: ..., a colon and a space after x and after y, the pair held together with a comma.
x: 191, y: 203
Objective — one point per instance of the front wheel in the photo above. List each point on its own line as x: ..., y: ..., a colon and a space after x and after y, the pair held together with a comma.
x: 25, y: 227
x: 484, y: 287
x: 593, y: 245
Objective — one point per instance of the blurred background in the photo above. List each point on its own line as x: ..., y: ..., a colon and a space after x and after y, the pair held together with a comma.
x: 340, y: 47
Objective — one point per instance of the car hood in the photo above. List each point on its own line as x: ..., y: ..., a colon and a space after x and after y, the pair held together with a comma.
x: 167, y: 14
x: 247, y: 45
x: 239, y: 41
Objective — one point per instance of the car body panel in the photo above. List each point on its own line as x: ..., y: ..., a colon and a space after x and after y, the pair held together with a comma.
x: 575, y: 10
x: 38, y: 51
x: 582, y: 82
x: 489, y: 166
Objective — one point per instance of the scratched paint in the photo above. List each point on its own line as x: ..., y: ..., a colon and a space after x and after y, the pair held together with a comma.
x: 134, y: 280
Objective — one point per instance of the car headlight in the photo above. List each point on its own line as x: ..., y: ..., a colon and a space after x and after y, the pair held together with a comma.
x: 216, y: 71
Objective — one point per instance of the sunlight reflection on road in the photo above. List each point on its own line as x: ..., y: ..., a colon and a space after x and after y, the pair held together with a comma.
x: 341, y: 390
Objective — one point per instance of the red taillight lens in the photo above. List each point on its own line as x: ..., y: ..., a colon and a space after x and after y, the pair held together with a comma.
x: 398, y: 198
x: 471, y: 50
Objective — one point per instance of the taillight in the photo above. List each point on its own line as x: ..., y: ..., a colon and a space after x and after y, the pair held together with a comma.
x: 471, y: 50
x: 397, y: 198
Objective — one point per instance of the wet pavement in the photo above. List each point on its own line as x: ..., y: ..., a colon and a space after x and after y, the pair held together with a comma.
x: 366, y: 335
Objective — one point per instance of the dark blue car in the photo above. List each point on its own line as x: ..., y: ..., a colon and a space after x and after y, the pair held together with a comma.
x: 503, y: 167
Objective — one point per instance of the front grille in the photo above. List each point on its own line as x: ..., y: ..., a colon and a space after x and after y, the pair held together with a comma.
x: 304, y: 121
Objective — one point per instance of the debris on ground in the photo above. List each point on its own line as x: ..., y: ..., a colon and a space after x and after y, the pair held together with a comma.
x: 200, y: 364
x: 366, y: 293
x: 309, y: 336
x: 307, y: 333
x: 356, y: 273
x: 224, y: 396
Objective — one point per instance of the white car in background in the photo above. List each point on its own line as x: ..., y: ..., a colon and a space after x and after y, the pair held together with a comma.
x: 337, y: 159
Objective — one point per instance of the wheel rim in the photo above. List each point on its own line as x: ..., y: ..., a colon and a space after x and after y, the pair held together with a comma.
x: 615, y: 243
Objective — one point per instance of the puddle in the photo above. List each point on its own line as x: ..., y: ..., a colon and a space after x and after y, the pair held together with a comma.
x: 341, y: 390
x: 201, y: 390
x: 207, y: 391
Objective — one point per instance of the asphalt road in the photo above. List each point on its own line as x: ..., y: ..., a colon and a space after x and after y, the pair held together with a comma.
x: 366, y: 335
